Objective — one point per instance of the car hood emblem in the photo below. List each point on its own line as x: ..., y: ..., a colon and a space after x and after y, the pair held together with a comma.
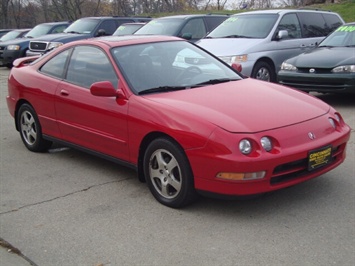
x: 312, y: 70
x: 311, y: 135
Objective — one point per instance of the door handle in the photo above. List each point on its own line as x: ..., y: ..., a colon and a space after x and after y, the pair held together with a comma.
x: 64, y: 92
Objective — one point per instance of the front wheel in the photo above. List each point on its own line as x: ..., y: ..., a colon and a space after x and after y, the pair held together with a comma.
x: 263, y: 71
x: 30, y: 129
x: 168, y: 173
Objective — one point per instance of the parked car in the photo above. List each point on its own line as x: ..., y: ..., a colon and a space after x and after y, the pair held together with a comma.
x: 13, y: 49
x: 261, y: 40
x: 328, y: 68
x: 128, y: 28
x: 130, y: 99
x: 14, y: 34
x: 189, y: 27
x: 81, y: 29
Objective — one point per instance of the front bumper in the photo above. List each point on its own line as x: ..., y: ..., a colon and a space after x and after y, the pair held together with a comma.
x: 324, y: 83
x: 286, y: 166
x: 7, y: 57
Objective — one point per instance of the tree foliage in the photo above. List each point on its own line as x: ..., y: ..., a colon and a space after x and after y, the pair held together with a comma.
x: 28, y: 13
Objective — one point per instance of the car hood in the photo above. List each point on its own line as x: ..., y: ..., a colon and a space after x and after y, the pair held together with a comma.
x: 15, y: 41
x: 325, y: 57
x: 244, y: 106
x: 62, y: 37
x: 229, y: 46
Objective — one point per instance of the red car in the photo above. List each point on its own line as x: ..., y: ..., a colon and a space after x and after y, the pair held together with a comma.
x: 186, y: 121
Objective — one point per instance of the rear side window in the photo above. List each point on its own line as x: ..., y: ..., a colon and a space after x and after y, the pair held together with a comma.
x: 213, y: 22
x: 313, y: 25
x: 333, y: 22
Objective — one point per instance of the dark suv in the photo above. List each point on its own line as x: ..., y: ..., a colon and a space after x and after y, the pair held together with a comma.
x: 190, y: 27
x: 13, y: 49
x: 81, y: 29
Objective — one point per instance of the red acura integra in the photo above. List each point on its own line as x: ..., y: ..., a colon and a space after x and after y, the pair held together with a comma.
x: 187, y: 122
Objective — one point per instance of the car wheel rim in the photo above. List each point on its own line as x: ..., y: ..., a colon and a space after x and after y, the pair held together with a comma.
x: 165, y: 174
x: 28, y: 128
x: 263, y: 74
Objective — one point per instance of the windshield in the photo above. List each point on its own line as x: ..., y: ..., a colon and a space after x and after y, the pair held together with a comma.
x: 168, y: 27
x: 9, y: 36
x: 82, y: 26
x: 127, y: 29
x: 245, y: 26
x: 167, y: 66
x: 38, y: 31
x: 342, y: 36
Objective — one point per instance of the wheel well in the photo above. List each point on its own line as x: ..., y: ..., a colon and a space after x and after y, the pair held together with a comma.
x: 18, y: 105
x: 266, y: 60
x: 144, y: 144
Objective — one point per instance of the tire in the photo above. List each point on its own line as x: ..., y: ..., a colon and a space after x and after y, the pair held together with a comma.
x: 168, y: 174
x: 30, y: 130
x: 263, y: 71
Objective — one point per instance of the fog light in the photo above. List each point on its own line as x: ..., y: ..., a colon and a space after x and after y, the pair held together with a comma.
x: 241, y: 176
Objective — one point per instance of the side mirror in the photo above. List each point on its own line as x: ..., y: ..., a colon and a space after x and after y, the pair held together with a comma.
x: 282, y: 34
x: 187, y: 36
x: 101, y: 32
x: 237, y: 67
x: 104, y: 89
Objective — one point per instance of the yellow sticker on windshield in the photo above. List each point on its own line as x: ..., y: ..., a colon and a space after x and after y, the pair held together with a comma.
x: 346, y: 28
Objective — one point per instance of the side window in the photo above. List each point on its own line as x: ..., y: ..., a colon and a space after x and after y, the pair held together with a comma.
x: 313, y: 24
x: 58, y: 29
x: 196, y: 27
x: 55, y: 66
x: 213, y: 22
x: 88, y: 65
x: 290, y: 23
x: 333, y: 22
x: 109, y: 26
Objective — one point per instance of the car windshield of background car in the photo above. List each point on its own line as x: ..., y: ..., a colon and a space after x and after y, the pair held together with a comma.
x: 82, y: 26
x: 9, y: 36
x: 38, y: 31
x: 245, y: 26
x: 168, y: 66
x: 168, y: 27
x: 342, y: 36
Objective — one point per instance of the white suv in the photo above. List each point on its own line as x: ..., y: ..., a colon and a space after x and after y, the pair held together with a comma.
x: 261, y: 40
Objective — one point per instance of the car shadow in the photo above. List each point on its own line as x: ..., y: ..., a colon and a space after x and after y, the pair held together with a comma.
x: 336, y: 99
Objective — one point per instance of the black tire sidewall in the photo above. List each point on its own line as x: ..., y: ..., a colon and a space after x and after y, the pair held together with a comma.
x: 266, y: 65
x: 187, y: 193
x: 40, y: 144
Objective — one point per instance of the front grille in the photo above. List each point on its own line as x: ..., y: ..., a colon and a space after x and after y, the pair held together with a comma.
x: 315, y: 70
x: 2, y: 48
x: 298, y: 169
x: 38, y: 46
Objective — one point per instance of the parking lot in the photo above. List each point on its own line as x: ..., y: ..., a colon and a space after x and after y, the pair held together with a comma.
x: 65, y: 207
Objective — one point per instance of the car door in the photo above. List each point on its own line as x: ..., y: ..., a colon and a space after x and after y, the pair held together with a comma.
x: 93, y: 122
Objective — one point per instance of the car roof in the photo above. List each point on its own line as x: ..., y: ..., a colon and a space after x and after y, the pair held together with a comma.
x: 192, y: 16
x: 113, y: 41
x: 55, y: 23
x: 115, y: 17
x: 281, y: 11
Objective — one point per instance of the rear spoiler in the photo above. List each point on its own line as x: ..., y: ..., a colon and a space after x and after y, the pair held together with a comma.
x: 23, y: 61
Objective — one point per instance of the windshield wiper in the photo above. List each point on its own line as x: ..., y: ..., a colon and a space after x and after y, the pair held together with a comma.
x: 73, y: 32
x: 162, y: 89
x: 237, y: 36
x: 212, y: 82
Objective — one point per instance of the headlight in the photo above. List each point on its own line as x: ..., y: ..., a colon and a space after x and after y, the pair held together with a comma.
x: 234, y: 59
x: 344, y: 69
x: 266, y: 143
x: 245, y: 146
x: 288, y: 67
x: 13, y: 47
x: 332, y: 122
x: 53, y: 45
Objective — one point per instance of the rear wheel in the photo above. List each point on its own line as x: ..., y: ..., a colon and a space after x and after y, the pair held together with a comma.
x: 30, y: 129
x: 168, y: 173
x: 263, y: 71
